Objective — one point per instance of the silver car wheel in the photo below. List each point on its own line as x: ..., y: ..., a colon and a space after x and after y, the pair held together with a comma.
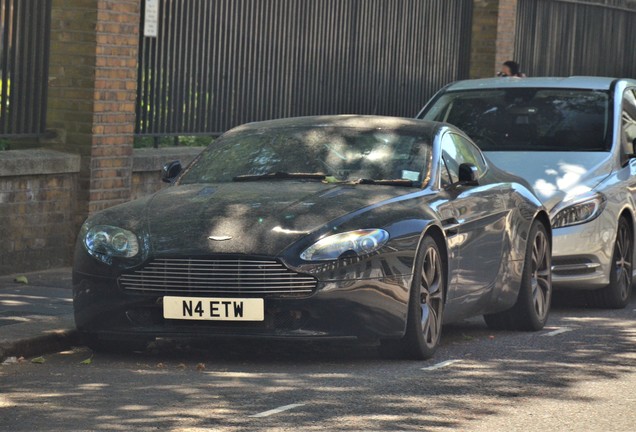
x: 623, y: 260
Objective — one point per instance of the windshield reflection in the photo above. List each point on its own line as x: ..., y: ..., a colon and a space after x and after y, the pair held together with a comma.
x: 342, y: 153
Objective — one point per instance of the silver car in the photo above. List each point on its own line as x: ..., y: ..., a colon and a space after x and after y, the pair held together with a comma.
x: 573, y: 140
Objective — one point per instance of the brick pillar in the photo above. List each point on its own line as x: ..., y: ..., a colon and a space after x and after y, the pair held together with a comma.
x: 115, y: 92
x: 493, y: 35
x: 92, y: 90
x: 506, y: 25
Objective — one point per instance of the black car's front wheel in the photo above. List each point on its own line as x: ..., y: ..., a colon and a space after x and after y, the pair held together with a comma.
x: 425, y: 308
x: 530, y: 312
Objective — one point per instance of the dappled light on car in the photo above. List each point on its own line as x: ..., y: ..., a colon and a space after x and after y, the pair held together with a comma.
x: 567, y: 178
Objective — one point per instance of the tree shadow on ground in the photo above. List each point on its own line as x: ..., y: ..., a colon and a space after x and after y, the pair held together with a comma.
x: 342, y: 385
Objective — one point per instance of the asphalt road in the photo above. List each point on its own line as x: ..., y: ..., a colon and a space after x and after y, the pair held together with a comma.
x: 578, y: 374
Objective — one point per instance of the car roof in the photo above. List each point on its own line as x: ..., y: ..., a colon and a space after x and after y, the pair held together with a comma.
x: 573, y: 82
x: 347, y: 121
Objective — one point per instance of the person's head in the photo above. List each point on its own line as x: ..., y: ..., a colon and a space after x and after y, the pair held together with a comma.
x: 509, y: 68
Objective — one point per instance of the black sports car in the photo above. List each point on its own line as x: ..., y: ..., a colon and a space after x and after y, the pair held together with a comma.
x: 319, y: 227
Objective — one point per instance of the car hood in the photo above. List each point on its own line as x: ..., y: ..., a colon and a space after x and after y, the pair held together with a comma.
x: 555, y: 176
x: 250, y: 217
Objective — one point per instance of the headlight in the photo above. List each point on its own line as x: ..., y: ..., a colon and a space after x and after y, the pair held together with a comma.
x: 584, y: 209
x: 359, y: 242
x: 105, y: 241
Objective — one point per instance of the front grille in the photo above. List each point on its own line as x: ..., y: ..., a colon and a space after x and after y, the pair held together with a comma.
x: 226, y: 277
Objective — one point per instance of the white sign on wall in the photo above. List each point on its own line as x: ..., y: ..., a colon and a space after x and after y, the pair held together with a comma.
x: 151, y: 18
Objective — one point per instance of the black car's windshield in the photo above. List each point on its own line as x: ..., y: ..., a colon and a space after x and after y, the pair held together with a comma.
x: 333, y: 154
x: 528, y: 119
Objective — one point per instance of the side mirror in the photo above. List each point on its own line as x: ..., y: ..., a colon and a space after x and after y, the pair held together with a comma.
x: 468, y: 174
x: 171, y: 171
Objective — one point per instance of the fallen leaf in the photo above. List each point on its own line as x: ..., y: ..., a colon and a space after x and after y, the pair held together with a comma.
x: 21, y: 279
x: 491, y: 337
x: 181, y: 366
x: 200, y: 366
x: 87, y: 361
x: 10, y: 360
x: 160, y: 366
x: 467, y: 337
x: 21, y: 359
x: 38, y: 360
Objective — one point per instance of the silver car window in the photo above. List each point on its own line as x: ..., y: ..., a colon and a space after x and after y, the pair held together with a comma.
x: 527, y: 119
x: 629, y: 120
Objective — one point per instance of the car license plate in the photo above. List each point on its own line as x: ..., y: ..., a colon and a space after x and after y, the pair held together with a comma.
x: 213, y: 309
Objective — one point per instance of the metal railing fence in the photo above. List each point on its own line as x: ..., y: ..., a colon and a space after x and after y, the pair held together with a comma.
x: 24, y: 58
x: 576, y: 37
x: 218, y: 63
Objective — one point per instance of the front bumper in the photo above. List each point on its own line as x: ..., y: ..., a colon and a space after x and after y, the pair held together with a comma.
x: 582, y: 254
x: 366, y: 308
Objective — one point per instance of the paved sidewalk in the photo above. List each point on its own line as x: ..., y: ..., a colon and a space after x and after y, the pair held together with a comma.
x: 36, y: 317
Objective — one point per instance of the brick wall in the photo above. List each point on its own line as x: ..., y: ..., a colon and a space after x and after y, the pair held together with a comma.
x: 493, y: 36
x: 506, y: 24
x: 117, y: 39
x: 37, y: 202
x: 71, y: 74
x: 92, y: 94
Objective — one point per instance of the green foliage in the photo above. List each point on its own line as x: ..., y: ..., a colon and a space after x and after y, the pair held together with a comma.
x: 21, y: 279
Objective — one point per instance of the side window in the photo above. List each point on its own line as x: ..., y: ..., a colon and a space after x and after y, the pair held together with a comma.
x: 470, y: 152
x: 449, y: 166
x: 629, y: 121
x: 457, y: 150
x: 445, y: 176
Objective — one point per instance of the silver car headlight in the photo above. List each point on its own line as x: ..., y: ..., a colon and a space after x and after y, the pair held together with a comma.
x: 359, y: 242
x: 105, y: 242
x: 582, y: 210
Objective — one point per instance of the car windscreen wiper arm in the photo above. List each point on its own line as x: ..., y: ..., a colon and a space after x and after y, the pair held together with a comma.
x: 393, y: 182
x: 280, y: 175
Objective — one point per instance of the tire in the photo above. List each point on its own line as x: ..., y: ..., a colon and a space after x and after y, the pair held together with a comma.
x: 617, y: 294
x: 425, y: 308
x: 530, y: 312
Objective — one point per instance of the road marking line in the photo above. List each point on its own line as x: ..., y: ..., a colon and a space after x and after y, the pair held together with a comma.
x: 277, y: 410
x: 440, y: 365
x: 558, y: 331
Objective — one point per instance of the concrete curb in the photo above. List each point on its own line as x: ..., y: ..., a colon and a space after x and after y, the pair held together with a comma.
x: 59, y: 340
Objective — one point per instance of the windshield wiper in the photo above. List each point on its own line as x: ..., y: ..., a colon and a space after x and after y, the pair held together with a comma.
x: 280, y: 175
x: 393, y: 182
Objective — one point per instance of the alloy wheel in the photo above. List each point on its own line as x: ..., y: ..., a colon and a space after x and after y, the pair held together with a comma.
x: 431, y: 297
x: 541, y: 281
x: 623, y: 257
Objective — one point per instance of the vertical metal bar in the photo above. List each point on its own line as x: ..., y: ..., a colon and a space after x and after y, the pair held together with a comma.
x: 7, y: 10
x: 16, y: 69
x: 159, y: 98
x: 44, y: 47
x: 142, y: 75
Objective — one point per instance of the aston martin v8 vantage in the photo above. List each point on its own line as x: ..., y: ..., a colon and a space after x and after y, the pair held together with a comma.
x: 364, y: 227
